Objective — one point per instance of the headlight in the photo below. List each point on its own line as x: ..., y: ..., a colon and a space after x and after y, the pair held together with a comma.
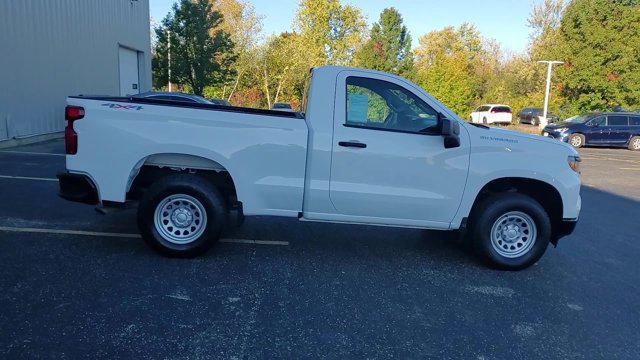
x: 574, y: 162
x: 562, y: 129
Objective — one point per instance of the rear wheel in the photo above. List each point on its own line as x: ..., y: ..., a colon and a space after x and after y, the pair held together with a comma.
x: 535, y: 121
x: 511, y: 231
x: 576, y: 140
x: 181, y: 215
x: 634, y: 143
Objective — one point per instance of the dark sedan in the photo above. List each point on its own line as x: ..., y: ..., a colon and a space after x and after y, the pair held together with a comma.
x: 532, y: 116
x: 598, y: 129
x: 173, y: 96
x: 219, y: 102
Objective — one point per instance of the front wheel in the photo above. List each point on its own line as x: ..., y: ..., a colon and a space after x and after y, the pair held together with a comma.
x: 510, y: 231
x: 484, y: 121
x: 576, y: 140
x: 181, y: 215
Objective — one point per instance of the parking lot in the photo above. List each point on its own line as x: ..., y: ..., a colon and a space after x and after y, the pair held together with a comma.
x: 75, y: 282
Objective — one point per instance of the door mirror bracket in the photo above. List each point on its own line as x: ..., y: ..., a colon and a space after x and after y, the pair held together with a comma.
x: 450, y: 132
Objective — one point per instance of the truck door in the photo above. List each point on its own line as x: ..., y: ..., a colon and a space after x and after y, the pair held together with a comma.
x: 389, y: 164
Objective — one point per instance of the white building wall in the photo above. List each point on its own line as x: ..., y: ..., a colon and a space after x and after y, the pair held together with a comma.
x: 50, y: 49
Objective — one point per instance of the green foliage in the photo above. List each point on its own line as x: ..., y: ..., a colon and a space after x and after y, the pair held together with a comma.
x: 389, y: 46
x: 599, y: 40
x: 330, y: 32
x: 448, y: 63
x: 201, y: 55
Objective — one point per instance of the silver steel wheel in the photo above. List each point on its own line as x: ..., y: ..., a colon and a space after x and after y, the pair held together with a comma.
x: 636, y: 144
x: 180, y: 218
x: 513, y: 234
x: 576, y: 141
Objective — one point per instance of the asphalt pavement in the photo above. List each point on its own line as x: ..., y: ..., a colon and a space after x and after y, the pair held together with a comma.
x: 79, y: 284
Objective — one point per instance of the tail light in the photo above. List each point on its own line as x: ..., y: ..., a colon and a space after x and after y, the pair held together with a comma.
x: 71, y: 114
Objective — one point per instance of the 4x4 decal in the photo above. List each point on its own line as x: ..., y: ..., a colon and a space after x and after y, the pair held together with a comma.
x: 125, y: 107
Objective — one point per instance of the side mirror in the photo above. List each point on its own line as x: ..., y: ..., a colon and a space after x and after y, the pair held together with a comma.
x: 450, y: 132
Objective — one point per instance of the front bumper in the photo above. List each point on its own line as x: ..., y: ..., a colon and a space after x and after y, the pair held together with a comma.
x: 551, y: 133
x: 562, y: 229
x: 77, y: 188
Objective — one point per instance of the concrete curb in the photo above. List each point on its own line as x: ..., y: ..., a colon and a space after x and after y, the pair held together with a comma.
x: 30, y: 140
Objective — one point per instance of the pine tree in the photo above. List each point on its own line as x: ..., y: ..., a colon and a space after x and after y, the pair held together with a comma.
x: 389, y: 46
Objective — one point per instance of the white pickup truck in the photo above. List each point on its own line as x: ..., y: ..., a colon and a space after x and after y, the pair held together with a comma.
x: 369, y: 148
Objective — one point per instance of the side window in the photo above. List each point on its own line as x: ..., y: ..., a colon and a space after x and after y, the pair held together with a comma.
x: 634, y: 121
x: 382, y: 105
x: 600, y: 121
x: 618, y: 120
x: 501, y: 109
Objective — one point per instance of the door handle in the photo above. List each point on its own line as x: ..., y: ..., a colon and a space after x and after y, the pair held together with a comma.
x: 354, y: 144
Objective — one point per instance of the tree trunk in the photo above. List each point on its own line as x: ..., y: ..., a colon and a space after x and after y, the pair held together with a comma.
x: 275, y: 99
x: 235, y: 85
x: 280, y: 84
x: 266, y: 87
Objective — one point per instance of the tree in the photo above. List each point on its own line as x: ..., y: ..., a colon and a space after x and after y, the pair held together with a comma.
x: 242, y: 23
x: 599, y: 41
x: 330, y: 32
x: 201, y: 53
x: 389, y: 46
x: 447, y: 64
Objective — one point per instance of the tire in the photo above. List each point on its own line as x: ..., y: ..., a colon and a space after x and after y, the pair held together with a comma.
x: 527, y: 237
x: 534, y: 121
x: 517, y: 122
x: 484, y: 121
x: 181, y: 215
x: 576, y: 140
x: 634, y: 143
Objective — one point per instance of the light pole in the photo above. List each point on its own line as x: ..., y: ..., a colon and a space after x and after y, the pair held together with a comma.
x: 550, y: 63
x: 169, y: 56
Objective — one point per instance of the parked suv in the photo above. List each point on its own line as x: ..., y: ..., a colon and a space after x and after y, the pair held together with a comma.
x: 598, y: 129
x: 532, y: 116
x: 491, y: 114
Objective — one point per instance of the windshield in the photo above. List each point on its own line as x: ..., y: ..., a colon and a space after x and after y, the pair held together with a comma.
x: 578, y: 119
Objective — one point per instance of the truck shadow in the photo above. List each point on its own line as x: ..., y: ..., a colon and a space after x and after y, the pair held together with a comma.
x: 608, y: 223
x: 604, y: 216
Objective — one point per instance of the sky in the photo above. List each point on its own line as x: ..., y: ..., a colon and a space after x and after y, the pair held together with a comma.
x: 502, y: 20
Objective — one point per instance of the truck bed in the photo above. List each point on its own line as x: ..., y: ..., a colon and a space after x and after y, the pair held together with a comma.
x: 265, y: 150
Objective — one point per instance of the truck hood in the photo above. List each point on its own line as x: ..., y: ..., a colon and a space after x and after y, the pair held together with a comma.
x: 518, y: 139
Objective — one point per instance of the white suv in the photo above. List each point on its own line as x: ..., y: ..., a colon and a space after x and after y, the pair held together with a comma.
x: 491, y: 114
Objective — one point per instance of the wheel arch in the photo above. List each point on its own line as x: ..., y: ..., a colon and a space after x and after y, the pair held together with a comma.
x: 155, y: 166
x: 543, y: 192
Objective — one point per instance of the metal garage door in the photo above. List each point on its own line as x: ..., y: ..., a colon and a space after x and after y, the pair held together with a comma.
x: 128, y: 66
